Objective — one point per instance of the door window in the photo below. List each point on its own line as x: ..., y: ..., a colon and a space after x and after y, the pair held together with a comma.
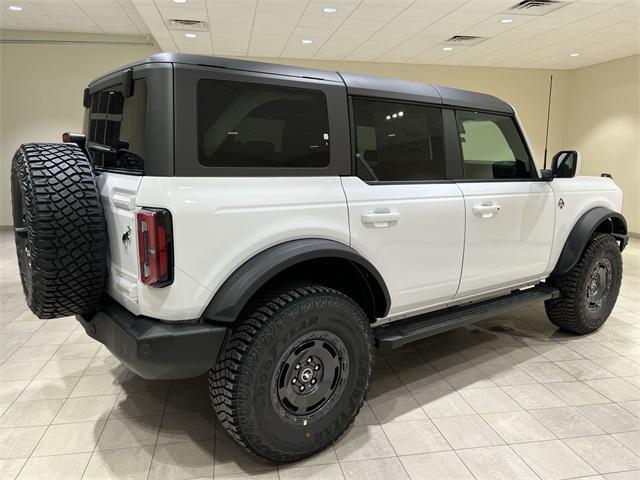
x: 251, y: 125
x: 492, y: 147
x: 397, y: 141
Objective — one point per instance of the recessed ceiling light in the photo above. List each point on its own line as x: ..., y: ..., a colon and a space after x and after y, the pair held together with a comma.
x: 574, y: 54
x: 180, y: 1
x: 506, y: 20
x: 15, y: 8
x: 306, y: 41
x: 329, y: 9
x: 447, y: 49
x: 190, y: 35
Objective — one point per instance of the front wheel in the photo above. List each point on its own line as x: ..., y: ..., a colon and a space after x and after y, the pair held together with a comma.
x: 294, y: 372
x: 588, y: 292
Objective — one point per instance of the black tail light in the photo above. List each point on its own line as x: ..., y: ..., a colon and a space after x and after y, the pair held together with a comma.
x: 155, y: 247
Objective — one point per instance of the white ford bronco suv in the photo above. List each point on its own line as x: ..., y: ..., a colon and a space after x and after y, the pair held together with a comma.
x: 273, y: 225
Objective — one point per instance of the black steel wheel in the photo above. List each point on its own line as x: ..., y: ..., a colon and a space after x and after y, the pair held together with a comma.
x: 294, y: 372
x: 588, y: 292
x: 310, y: 376
x: 599, y: 285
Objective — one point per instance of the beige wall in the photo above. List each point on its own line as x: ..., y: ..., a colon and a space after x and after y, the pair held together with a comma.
x: 41, y: 88
x: 41, y: 92
x: 603, y: 122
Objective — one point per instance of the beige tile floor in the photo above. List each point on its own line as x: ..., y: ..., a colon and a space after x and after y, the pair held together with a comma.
x: 510, y: 398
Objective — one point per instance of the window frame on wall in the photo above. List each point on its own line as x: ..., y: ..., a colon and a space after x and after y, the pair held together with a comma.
x: 533, y: 171
x: 357, y: 169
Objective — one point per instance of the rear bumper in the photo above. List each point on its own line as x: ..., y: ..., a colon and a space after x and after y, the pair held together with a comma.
x: 152, y: 349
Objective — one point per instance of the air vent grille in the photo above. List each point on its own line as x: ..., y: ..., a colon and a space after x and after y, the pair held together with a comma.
x: 536, y: 7
x: 191, y: 25
x: 464, y: 40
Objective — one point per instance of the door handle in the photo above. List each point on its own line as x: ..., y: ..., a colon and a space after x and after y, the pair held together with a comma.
x: 486, y: 209
x: 381, y: 218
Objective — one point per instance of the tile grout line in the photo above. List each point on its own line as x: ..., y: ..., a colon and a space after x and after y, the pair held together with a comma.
x: 53, y: 418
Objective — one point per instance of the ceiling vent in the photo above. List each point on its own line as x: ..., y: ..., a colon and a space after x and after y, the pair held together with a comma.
x: 464, y: 40
x: 190, y: 25
x: 536, y: 7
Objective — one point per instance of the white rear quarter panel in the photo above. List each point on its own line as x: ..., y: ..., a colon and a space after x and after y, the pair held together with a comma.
x: 221, y: 222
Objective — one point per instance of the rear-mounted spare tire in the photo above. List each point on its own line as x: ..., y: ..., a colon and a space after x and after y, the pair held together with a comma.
x: 60, y: 230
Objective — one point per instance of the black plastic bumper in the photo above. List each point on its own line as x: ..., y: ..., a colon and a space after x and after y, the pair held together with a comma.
x: 152, y: 349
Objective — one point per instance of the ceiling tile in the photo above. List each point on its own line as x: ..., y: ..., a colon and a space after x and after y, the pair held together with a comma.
x: 363, y: 30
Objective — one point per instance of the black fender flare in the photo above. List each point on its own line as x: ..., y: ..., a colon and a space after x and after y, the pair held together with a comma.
x: 243, y: 283
x: 582, y: 232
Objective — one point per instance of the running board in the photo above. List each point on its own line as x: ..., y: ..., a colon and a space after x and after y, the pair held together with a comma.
x: 399, y: 333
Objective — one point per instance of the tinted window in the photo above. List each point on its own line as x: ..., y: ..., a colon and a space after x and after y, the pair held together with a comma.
x: 249, y: 125
x: 492, y: 147
x: 398, y: 142
x: 117, y: 125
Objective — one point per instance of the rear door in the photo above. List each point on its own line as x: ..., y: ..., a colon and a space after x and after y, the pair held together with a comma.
x: 509, y: 211
x: 404, y: 215
x: 116, y: 137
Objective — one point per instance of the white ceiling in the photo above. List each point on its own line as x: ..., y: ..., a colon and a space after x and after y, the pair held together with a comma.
x: 409, y: 31
x: 84, y: 16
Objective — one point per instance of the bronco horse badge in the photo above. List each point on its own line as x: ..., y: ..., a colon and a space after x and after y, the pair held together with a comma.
x: 126, y: 238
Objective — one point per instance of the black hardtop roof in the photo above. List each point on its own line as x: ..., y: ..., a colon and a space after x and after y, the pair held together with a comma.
x: 356, y: 84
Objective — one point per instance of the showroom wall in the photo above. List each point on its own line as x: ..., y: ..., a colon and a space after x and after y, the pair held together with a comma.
x: 41, y: 88
x: 603, y: 121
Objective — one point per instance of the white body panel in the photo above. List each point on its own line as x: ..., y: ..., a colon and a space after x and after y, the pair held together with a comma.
x: 509, y: 234
x: 118, y: 194
x: 221, y: 222
x: 579, y: 195
x: 431, y: 248
x: 419, y: 252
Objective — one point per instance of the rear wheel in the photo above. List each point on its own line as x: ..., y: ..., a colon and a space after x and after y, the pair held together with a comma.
x: 294, y: 372
x: 588, y: 292
x: 60, y: 232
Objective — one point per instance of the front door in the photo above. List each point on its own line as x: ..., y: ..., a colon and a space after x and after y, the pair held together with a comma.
x: 510, y: 212
x: 403, y: 215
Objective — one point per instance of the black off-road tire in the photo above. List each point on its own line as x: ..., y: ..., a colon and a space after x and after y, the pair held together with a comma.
x: 60, y: 230
x: 244, y: 383
x: 572, y: 310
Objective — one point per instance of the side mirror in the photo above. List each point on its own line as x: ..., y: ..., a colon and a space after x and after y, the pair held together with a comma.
x: 546, y: 174
x: 566, y: 164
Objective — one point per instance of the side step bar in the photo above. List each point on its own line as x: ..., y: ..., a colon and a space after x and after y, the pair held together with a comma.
x: 401, y: 332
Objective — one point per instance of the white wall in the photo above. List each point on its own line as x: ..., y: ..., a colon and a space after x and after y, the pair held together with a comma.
x: 41, y: 89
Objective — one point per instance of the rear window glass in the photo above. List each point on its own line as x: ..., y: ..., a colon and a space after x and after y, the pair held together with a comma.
x: 397, y: 141
x: 261, y: 126
x: 116, y: 128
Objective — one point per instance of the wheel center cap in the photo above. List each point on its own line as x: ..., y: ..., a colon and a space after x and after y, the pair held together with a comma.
x: 306, y: 374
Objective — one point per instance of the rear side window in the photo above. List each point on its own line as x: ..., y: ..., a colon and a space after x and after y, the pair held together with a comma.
x: 492, y: 147
x: 116, y: 129
x: 398, y: 142
x: 261, y: 126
